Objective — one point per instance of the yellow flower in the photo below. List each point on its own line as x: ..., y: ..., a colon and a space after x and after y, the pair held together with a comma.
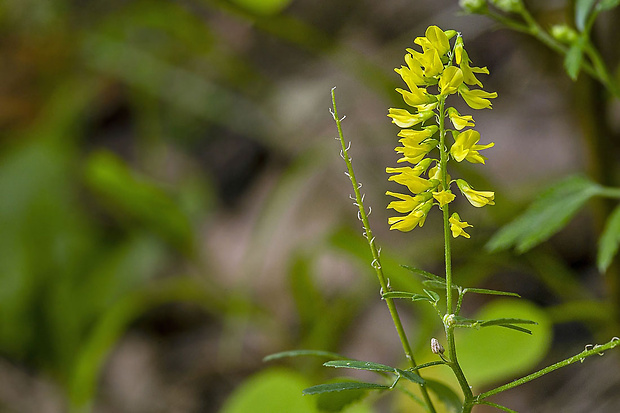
x: 413, y: 137
x: 410, y: 178
x: 435, y: 173
x: 459, y: 121
x: 407, y: 203
x: 414, y: 153
x: 404, y: 119
x: 451, y: 79
x: 417, y: 96
x: 458, y: 227
x: 468, y: 71
x: 412, y: 74
x: 444, y: 197
x: 476, y: 99
x: 476, y: 198
x: 408, y: 222
x: 465, y: 147
x: 436, y: 38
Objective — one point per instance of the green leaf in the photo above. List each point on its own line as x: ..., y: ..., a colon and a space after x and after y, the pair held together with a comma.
x: 573, y: 58
x: 274, y: 390
x: 424, y: 274
x: 492, y: 354
x: 447, y: 396
x: 337, y: 401
x: 490, y: 292
x: 302, y: 353
x: 436, y: 284
x: 263, y: 7
x: 429, y: 364
x: 582, y: 11
x: 433, y: 295
x: 501, y: 321
x: 499, y: 406
x: 411, y: 376
x: 405, y: 294
x: 609, y: 241
x: 607, y: 4
x: 516, y: 328
x: 370, y: 366
x: 546, y: 216
x: 340, y: 386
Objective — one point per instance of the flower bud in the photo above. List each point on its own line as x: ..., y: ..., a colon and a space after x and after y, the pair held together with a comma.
x: 564, y: 34
x: 436, y: 347
x: 474, y: 6
x: 508, y: 6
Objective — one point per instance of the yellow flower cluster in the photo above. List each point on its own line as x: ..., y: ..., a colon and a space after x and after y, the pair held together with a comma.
x: 431, y: 75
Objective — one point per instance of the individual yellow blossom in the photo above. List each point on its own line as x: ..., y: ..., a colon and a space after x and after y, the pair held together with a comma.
x: 414, y: 153
x: 404, y: 119
x: 412, y: 74
x: 410, y: 178
x: 476, y: 198
x: 414, y: 218
x: 444, y: 197
x: 465, y: 147
x: 460, y: 121
x: 435, y: 173
x: 476, y: 99
x: 415, y: 137
x: 417, y: 96
x: 468, y: 71
x: 429, y: 60
x: 458, y: 227
x: 458, y: 50
x: 451, y: 79
x: 436, y: 38
x: 407, y: 203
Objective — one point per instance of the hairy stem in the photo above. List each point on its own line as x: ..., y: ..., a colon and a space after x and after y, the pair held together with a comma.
x: 376, y: 262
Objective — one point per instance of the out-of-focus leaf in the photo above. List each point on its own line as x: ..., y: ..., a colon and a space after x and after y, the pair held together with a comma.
x: 302, y: 353
x: 130, y: 195
x: 263, y: 7
x: 337, y: 401
x: 607, y: 4
x: 346, y: 385
x: 270, y: 391
x: 583, y: 9
x: 609, y: 241
x: 447, y: 396
x: 573, y: 59
x: 308, y: 300
x: 547, y: 215
x: 488, y: 355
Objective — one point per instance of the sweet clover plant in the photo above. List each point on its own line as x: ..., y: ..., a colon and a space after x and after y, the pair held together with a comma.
x: 433, y: 134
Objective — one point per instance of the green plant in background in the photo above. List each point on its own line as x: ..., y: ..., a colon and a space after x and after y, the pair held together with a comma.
x: 432, y: 75
x: 555, y: 207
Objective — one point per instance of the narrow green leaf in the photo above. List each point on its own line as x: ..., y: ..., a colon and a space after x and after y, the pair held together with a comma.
x: 360, y: 365
x: 433, y: 295
x: 411, y: 376
x: 435, y: 284
x: 490, y: 292
x: 499, y: 406
x: 405, y: 294
x: 348, y: 385
x: 517, y: 328
x: 465, y: 322
x: 447, y: 396
x: 300, y: 353
x: 582, y: 11
x: 546, y: 216
x: 609, y: 241
x: 501, y: 321
x: 423, y: 273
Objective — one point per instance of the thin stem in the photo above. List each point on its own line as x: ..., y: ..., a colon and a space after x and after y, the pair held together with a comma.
x: 609, y: 192
x: 449, y: 328
x: 376, y: 263
x: 579, y: 357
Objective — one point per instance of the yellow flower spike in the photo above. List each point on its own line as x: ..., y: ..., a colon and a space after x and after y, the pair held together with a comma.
x: 438, y: 39
x: 459, y: 121
x: 476, y: 198
x: 451, y: 79
x: 404, y: 119
x: 458, y: 227
x: 444, y: 197
x: 417, y: 96
x: 476, y: 99
x: 465, y: 147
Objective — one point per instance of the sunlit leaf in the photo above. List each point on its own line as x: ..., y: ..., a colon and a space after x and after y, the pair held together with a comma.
x: 609, y: 241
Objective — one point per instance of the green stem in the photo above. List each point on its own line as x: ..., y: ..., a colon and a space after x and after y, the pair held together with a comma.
x: 609, y: 192
x: 453, y: 361
x: 579, y: 357
x: 376, y: 262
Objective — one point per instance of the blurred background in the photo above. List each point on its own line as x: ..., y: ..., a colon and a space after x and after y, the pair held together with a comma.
x: 174, y: 206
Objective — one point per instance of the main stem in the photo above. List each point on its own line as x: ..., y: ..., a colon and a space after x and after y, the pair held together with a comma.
x: 376, y: 262
x: 453, y: 361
